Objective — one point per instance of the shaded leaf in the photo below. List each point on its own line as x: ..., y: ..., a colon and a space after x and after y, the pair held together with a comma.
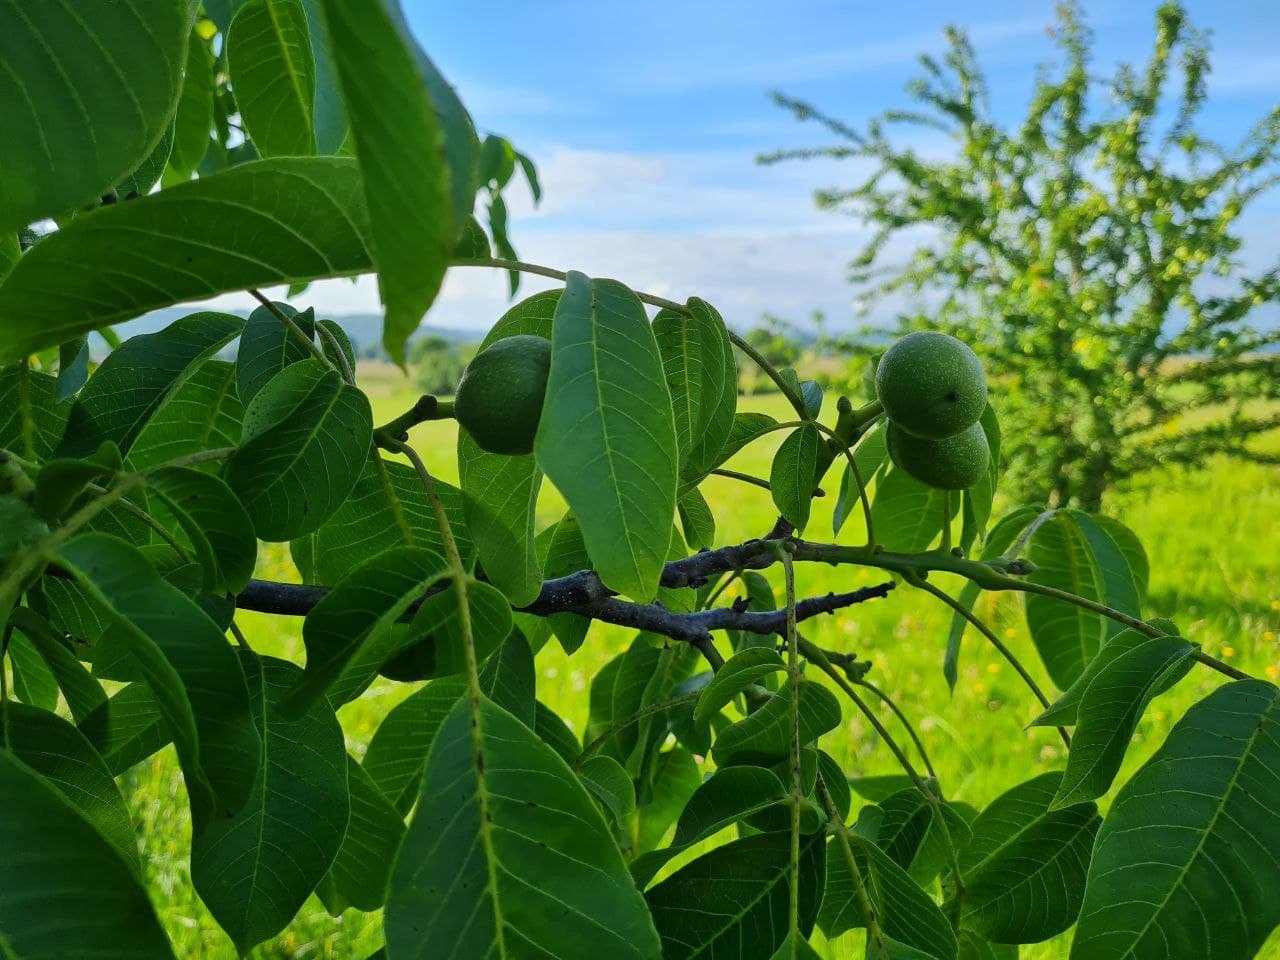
x: 220, y: 531
x: 740, y: 670
x: 262, y: 223
x: 274, y: 75
x: 611, y: 785
x: 1025, y: 867
x: 791, y: 478
x: 59, y: 752
x: 506, y: 847
x: 134, y: 380
x: 1109, y: 713
x: 398, y: 751
x: 267, y: 347
x: 733, y: 901
x: 71, y: 881
x: 359, y: 611
x: 305, y: 441
x: 203, y: 413
x: 194, y: 675
x: 765, y: 735
x: 1184, y: 865
x: 31, y: 418
x: 358, y: 876
x: 254, y: 870
x: 86, y: 98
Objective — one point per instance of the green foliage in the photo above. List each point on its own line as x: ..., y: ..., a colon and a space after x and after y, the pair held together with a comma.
x: 1091, y: 254
x: 709, y: 811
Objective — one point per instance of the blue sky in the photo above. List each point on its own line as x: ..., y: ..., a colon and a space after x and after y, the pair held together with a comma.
x: 645, y: 119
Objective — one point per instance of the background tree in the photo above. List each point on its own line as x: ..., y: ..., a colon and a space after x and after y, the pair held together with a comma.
x: 438, y: 362
x: 1090, y: 254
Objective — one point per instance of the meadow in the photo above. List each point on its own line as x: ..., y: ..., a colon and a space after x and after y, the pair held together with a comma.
x: 1214, y: 548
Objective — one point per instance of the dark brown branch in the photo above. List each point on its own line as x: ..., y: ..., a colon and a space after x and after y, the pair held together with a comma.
x: 585, y: 596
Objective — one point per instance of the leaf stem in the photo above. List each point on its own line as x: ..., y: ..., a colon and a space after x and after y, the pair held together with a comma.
x: 874, y: 930
x: 293, y: 329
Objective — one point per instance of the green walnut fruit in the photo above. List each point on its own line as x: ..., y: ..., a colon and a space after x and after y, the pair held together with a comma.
x: 499, y: 399
x: 952, y: 463
x: 931, y: 385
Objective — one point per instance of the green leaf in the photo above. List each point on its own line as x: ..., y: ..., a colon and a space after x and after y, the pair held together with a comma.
x: 974, y: 947
x: 795, y: 947
x: 255, y: 870
x: 359, y: 612
x: 197, y: 681
x: 438, y: 616
x: 499, y: 495
x: 696, y: 520
x: 1119, y: 584
x: 905, y: 826
x: 566, y: 554
x: 399, y: 748
x: 607, y: 437
x: 998, y: 540
x: 136, y: 379
x: 85, y: 97
x: 906, y: 913
x: 612, y: 786
x: 1065, y: 710
x: 675, y: 777
x: 328, y: 114
x: 258, y: 224
x: 73, y: 367
x: 791, y: 478
x: 203, y: 413
x: 869, y: 456
x: 729, y: 795
x: 765, y: 735
x: 306, y: 438
x: 71, y: 894
x: 33, y: 681
x: 61, y: 482
x: 1109, y: 711
x: 358, y: 876
x: 1131, y: 548
x: 1185, y: 865
x: 59, y: 752
x: 220, y: 531
x: 508, y: 679
x: 387, y: 507
x: 401, y: 145
x: 907, y: 515
x: 267, y: 347
x: 1066, y: 636
x: 733, y: 901
x: 1024, y: 869
x: 702, y: 377
x: 193, y: 121
x: 148, y: 173
x: 739, y: 671
x: 31, y: 418
x: 555, y: 733
x: 129, y: 728
x: 83, y: 693
x: 507, y: 851
x: 274, y: 76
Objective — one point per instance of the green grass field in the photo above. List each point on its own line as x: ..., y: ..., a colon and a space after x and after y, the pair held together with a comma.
x: 1215, y: 556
